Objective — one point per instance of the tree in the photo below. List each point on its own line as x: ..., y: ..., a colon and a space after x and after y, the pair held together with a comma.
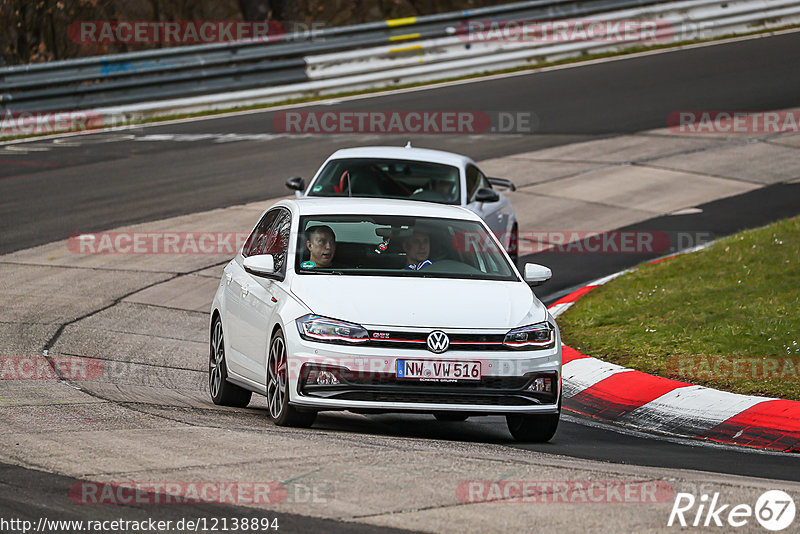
x: 259, y: 10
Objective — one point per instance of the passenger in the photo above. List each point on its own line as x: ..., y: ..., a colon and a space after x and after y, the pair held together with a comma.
x: 418, y: 248
x: 321, y: 243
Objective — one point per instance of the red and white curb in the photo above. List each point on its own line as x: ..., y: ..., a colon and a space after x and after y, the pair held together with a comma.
x: 614, y: 393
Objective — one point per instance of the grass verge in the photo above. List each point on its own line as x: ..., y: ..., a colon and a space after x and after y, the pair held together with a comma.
x: 726, y: 317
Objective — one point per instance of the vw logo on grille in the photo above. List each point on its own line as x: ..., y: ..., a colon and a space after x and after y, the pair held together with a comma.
x: 438, y: 342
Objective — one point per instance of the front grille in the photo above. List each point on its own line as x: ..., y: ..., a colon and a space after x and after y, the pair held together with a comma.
x: 417, y: 340
x: 487, y: 382
x: 386, y: 387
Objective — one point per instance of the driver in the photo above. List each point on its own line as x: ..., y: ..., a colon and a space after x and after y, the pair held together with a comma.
x: 418, y: 248
x: 321, y: 244
x: 445, y: 186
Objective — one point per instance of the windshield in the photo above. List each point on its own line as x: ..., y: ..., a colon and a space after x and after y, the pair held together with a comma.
x: 389, y: 178
x: 385, y: 245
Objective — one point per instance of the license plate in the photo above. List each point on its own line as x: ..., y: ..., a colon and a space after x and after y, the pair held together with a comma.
x: 439, y: 371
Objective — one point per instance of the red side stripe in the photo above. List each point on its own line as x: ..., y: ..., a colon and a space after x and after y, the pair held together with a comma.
x: 661, y: 259
x: 575, y: 295
x: 622, y: 393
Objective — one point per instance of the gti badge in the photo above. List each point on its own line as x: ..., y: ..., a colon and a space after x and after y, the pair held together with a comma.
x: 438, y: 342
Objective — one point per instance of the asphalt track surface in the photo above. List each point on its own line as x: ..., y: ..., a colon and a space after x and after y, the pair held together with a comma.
x: 29, y: 495
x: 94, y: 185
x: 101, y: 182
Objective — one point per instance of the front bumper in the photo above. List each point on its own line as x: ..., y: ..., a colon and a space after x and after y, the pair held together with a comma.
x: 367, y: 380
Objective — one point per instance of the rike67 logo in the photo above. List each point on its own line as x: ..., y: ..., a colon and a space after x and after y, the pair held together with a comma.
x: 774, y: 510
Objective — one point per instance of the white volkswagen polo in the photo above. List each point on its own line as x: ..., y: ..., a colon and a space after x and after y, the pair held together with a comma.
x: 376, y: 305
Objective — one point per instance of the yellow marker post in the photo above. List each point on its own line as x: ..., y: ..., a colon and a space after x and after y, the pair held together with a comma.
x: 404, y: 37
x: 405, y: 48
x: 401, y: 22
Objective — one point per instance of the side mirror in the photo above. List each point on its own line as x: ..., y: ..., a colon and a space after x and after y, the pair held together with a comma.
x: 485, y: 194
x: 536, y: 274
x: 260, y: 264
x: 296, y: 183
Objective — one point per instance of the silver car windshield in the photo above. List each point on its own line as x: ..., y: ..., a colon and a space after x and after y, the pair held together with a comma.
x: 389, y: 178
x: 382, y: 245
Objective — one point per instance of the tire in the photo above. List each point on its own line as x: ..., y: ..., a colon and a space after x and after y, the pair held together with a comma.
x: 451, y: 416
x: 513, y: 244
x: 533, y: 428
x: 280, y: 412
x: 222, y: 392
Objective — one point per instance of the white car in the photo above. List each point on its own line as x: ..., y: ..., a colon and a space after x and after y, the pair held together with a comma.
x: 416, y: 174
x: 361, y: 324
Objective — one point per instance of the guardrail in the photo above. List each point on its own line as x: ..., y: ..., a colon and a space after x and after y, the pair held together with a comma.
x: 226, y: 75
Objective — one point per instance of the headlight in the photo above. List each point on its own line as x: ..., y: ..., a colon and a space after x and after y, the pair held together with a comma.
x: 531, y: 337
x: 316, y: 328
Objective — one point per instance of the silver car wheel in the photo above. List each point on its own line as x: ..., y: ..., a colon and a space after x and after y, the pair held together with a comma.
x: 276, y: 377
x: 215, y: 360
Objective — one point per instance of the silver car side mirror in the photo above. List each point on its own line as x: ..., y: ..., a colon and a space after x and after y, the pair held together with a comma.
x: 536, y: 274
x: 260, y: 264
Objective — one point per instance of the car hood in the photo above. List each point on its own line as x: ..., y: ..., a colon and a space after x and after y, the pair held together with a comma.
x: 420, y: 302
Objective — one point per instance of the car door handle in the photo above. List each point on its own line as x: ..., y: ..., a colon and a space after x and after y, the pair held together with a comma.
x: 245, y: 290
x: 228, y: 278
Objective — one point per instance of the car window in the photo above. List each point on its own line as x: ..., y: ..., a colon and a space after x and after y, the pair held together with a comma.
x: 388, y: 178
x: 475, y: 180
x: 271, y: 236
x: 388, y: 245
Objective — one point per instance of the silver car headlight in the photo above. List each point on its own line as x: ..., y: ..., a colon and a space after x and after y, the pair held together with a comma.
x: 317, y: 328
x: 532, y: 337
